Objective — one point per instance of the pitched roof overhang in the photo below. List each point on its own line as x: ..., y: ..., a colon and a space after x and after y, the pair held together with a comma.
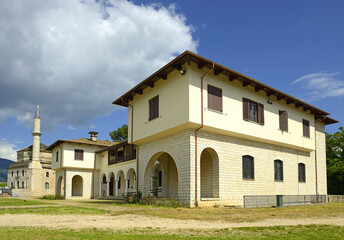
x: 187, y: 57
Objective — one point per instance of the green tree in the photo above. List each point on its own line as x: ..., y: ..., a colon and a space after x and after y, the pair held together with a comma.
x: 335, y: 162
x: 121, y: 134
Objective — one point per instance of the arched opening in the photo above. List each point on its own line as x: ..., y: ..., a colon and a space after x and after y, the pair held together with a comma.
x: 111, y: 184
x: 131, y: 176
x: 120, y: 181
x: 77, y: 186
x: 103, y: 186
x: 161, y: 176
x: 209, y: 174
x: 60, y: 187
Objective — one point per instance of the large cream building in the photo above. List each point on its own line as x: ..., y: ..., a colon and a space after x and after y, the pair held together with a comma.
x: 32, y: 175
x: 203, y: 134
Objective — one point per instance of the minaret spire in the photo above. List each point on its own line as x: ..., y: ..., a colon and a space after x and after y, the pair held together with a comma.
x: 35, y: 163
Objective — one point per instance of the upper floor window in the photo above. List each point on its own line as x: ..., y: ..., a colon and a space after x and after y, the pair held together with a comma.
x: 23, y: 172
x: 278, y: 166
x: 57, y: 156
x: 47, y: 174
x: 22, y: 184
x: 46, y: 185
x: 214, y: 98
x: 253, y: 111
x: 12, y: 185
x: 302, y: 172
x: 247, y: 167
x: 78, y: 154
x: 305, y: 128
x: 12, y: 173
x: 283, y: 120
x: 154, y: 108
x: 17, y: 174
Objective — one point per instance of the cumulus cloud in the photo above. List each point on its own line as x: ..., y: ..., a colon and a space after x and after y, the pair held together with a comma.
x: 7, y: 150
x: 73, y: 58
x: 322, y: 85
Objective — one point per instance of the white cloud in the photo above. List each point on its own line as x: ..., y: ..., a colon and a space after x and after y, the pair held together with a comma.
x: 322, y: 85
x: 74, y: 58
x: 7, y: 150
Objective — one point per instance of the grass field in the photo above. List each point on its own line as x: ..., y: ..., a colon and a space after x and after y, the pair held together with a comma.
x: 19, y: 202
x: 311, y: 232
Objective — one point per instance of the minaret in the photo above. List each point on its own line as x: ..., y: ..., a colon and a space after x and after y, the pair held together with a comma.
x: 35, y: 163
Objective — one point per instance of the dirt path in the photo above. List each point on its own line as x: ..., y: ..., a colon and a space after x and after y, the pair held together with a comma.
x: 135, y: 221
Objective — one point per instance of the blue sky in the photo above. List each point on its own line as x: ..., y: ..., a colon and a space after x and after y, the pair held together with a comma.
x: 78, y: 57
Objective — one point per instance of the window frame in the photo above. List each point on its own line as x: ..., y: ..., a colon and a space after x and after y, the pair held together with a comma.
x: 215, y: 99
x: 259, y: 111
x: 283, y: 121
x: 153, y: 108
x: 278, y: 170
x: 57, y: 156
x: 45, y: 185
x: 247, y: 167
x: 302, y: 172
x: 78, y: 153
x: 305, y: 128
x: 47, y: 174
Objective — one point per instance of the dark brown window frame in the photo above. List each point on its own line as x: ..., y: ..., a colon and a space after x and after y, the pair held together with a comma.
x: 79, y: 154
x: 305, y: 128
x: 247, y: 103
x: 302, y: 172
x: 247, y: 167
x: 283, y: 120
x: 278, y: 170
x: 215, y: 101
x: 153, y: 108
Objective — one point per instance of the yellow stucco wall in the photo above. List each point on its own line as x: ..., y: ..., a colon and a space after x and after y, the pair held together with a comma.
x: 179, y: 108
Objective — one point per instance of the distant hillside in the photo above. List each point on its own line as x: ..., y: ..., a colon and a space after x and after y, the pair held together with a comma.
x: 4, y: 164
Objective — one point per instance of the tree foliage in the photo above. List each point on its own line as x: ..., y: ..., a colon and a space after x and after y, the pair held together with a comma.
x: 335, y: 162
x: 121, y: 134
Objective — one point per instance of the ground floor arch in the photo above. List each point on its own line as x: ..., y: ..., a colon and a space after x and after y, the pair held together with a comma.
x: 77, y: 186
x: 209, y: 174
x: 60, y: 190
x: 131, y: 180
x: 161, y: 176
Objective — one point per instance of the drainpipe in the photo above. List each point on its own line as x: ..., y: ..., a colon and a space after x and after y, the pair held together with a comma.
x: 316, y: 158
x: 137, y: 147
x: 196, y: 131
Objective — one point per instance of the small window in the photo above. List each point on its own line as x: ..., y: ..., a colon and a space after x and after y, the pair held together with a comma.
x: 46, y: 185
x: 283, y: 120
x: 57, y: 156
x: 154, y: 108
x: 18, y: 186
x: 12, y: 173
x: 278, y: 170
x: 247, y: 167
x: 22, y: 184
x: 23, y: 172
x: 253, y: 111
x: 119, y: 183
x: 305, y: 124
x: 47, y: 174
x: 214, y: 98
x: 302, y: 172
x: 12, y: 185
x: 78, y: 154
x: 17, y: 173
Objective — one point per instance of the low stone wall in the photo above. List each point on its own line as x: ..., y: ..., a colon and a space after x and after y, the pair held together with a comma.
x: 335, y: 198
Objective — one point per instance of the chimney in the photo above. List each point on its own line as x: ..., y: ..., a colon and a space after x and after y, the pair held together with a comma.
x: 93, y: 136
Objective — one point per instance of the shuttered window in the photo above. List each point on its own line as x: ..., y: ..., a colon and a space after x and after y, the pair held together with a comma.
x: 305, y: 125
x: 214, y: 98
x: 154, y: 108
x: 278, y: 166
x: 253, y: 111
x: 78, y: 154
x: 283, y: 120
x: 302, y: 172
x: 247, y: 167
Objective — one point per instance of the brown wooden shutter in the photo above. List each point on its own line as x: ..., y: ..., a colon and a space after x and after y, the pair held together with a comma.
x: 214, y: 98
x: 283, y: 120
x: 154, y: 108
x: 78, y: 154
x: 260, y: 114
x: 245, y: 108
x: 305, y: 124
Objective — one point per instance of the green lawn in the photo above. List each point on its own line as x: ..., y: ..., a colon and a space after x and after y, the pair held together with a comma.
x: 60, y: 210
x: 19, y: 202
x: 311, y: 232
